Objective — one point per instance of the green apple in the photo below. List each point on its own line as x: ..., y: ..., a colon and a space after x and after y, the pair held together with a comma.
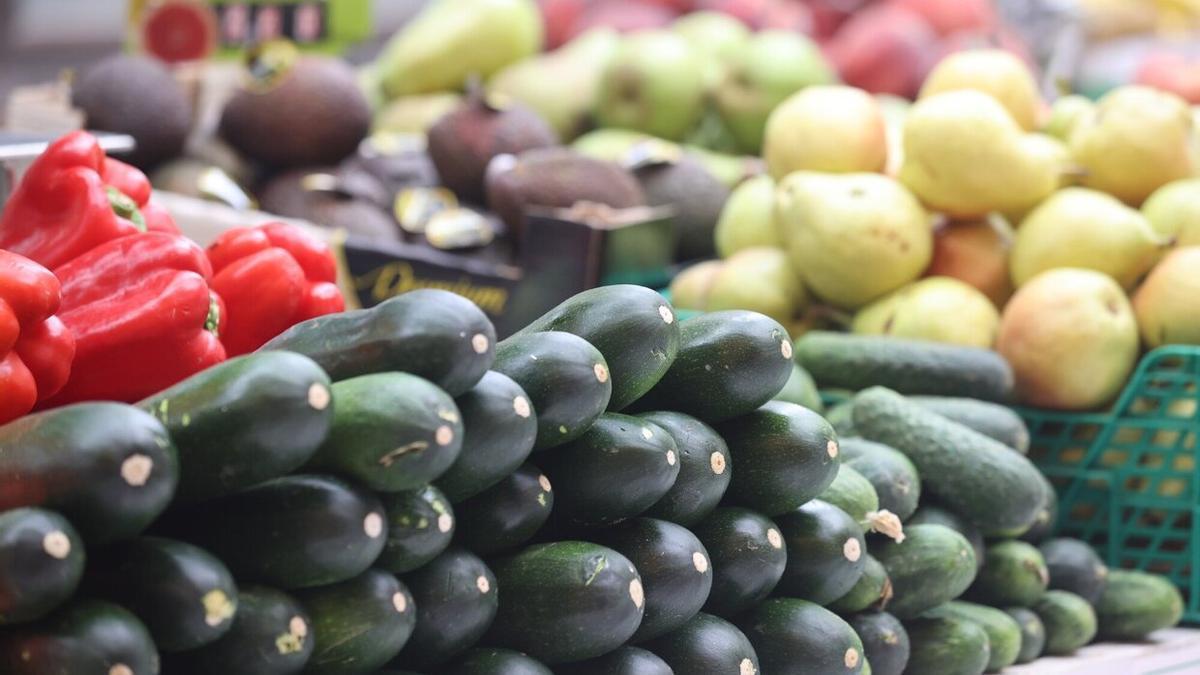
x: 653, y: 84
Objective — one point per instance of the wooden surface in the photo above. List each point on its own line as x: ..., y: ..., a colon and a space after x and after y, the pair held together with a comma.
x: 1168, y: 652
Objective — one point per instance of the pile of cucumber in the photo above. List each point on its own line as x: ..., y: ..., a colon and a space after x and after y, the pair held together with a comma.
x: 608, y: 491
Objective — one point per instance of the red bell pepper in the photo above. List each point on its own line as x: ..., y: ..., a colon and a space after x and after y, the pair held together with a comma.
x: 271, y: 277
x: 35, y: 347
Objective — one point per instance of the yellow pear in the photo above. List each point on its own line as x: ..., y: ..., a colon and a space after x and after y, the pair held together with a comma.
x: 826, y: 128
x: 1174, y: 211
x: 941, y: 309
x: 689, y: 289
x: 1065, y: 113
x: 975, y: 252
x: 1071, y: 338
x: 1077, y: 227
x: 1166, y: 304
x: 761, y: 280
x: 852, y: 237
x: 414, y: 114
x: 748, y: 217
x: 995, y: 72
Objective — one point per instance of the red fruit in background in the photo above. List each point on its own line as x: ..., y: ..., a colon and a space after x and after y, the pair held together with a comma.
x: 949, y: 16
x: 829, y: 15
x: 624, y: 16
x: 1173, y: 72
x: 786, y: 15
x: 884, y: 50
x: 746, y: 11
x: 559, y: 17
x: 677, y: 6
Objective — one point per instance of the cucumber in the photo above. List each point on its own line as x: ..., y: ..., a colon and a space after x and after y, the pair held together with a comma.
x: 1074, y: 566
x: 109, y: 468
x: 456, y: 598
x: 494, y: 661
x: 675, y: 569
x: 500, y: 427
x: 932, y: 514
x: 1004, y: 635
x: 1033, y: 633
x: 786, y: 455
x: 391, y: 432
x: 291, y: 532
x: 507, y: 514
x: 184, y: 595
x: 430, y: 333
x: 873, y: 590
x: 622, y: 661
x: 933, y: 565
x: 244, y: 421
x: 978, y: 477
x: 841, y: 416
x: 892, y: 474
x: 1047, y: 515
x: 41, y: 563
x: 565, y: 378
x: 1135, y: 604
x: 845, y: 361
x: 567, y: 601
x: 360, y: 624
x: 947, y: 646
x: 1069, y: 621
x: 84, y: 637
x: 884, y: 640
x: 797, y: 637
x: 632, y: 326
x: 704, y: 469
x: 420, y: 526
x: 729, y: 364
x: 1013, y: 575
x: 851, y: 492
x: 748, y: 558
x: 617, y: 469
x: 707, y: 644
x: 825, y: 552
x: 801, y: 389
x: 990, y: 419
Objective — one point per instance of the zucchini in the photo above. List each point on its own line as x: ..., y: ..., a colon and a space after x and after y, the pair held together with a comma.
x: 1013, y: 575
x: 704, y: 469
x: 707, y: 644
x: 1047, y: 514
x: 617, y: 469
x: 84, y: 637
x: 801, y: 389
x: 494, y: 661
x: 565, y: 378
x: 500, y: 427
x: 291, y: 532
x: 391, y: 432
x: 41, y: 563
x: 567, y: 601
x: 360, y: 624
x: 851, y: 492
x: 1069, y: 621
x: 1033, y: 633
x: 748, y: 558
x: 990, y: 419
x: 826, y: 552
x: 873, y: 590
x: 797, y: 637
x: 786, y: 455
x: 932, y: 514
x: 507, y: 514
x: 729, y: 364
x: 1135, y: 604
x: 456, y: 598
x: 885, y: 642
x: 109, y: 468
x: 1004, y: 635
x: 434, y: 334
x: 978, y: 477
x: 622, y: 661
x: 892, y: 474
x: 184, y: 595
x: 632, y: 326
x: 675, y: 569
x: 1074, y: 566
x: 845, y: 361
x: 947, y: 646
x: 933, y: 565
x: 420, y: 526
x: 244, y: 421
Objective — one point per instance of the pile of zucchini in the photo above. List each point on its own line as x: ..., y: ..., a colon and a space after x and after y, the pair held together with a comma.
x: 608, y: 491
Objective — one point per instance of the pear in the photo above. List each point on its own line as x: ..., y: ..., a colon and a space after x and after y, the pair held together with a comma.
x: 414, y: 114
x: 940, y: 309
x: 1065, y: 113
x: 452, y: 40
x: 1083, y: 228
x: 852, y: 237
x: 729, y: 169
x: 895, y: 111
x: 831, y: 128
x: 1174, y: 211
x: 995, y: 72
x: 965, y: 156
x: 653, y: 84
x: 609, y: 144
x: 1071, y: 338
x: 748, y: 218
x: 689, y: 289
x: 1135, y: 141
x: 975, y: 252
x: 715, y: 36
x: 1165, y: 304
x: 760, y: 280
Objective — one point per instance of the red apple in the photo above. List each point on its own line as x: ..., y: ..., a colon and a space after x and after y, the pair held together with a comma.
x: 559, y: 17
x: 949, y: 16
x: 829, y: 15
x: 624, y: 16
x: 884, y: 49
x: 746, y: 11
x: 786, y: 15
x: 1171, y: 72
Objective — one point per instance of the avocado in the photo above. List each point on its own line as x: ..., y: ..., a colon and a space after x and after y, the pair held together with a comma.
x: 696, y: 195
x: 323, y: 196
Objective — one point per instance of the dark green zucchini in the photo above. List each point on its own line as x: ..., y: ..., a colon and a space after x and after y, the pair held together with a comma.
x: 884, y: 640
x: 748, y: 558
x: 41, y: 562
x: 456, y: 598
x: 932, y: 514
x: 851, y: 492
x: 420, y: 526
x: 84, y: 637
x: 430, y: 333
x: 1069, y: 620
x: 360, y: 624
x: 244, y: 421
x: 729, y: 364
x: 891, y: 473
x: 933, y: 565
x: 1047, y: 514
x: 1004, y: 635
x: 565, y: 377
x: 990, y: 419
x: 873, y: 590
x: 1013, y: 575
x: 947, y: 646
x: 786, y: 455
x: 184, y: 595
x: 633, y: 327
x: 801, y: 389
x: 567, y: 601
x: 797, y: 637
x: 1033, y: 633
x: 707, y: 644
x: 109, y: 468
x: 507, y: 514
x: 704, y: 469
x: 826, y: 552
x: 494, y: 661
x: 500, y: 426
x: 1135, y: 604
x: 1074, y: 566
x: 622, y: 661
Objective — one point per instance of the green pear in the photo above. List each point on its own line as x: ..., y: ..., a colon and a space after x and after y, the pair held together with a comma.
x: 940, y: 309
x: 1174, y: 211
x: 653, y: 84
x: 452, y: 40
x: 1083, y: 228
x: 771, y: 66
x: 690, y: 288
x: 1065, y: 113
x: 760, y: 280
x: 1135, y: 141
x: 414, y: 114
x: 852, y: 237
x: 995, y: 72
x: 748, y: 219
x: 716, y: 36
x: 610, y: 144
x: 826, y: 128
x: 1165, y: 304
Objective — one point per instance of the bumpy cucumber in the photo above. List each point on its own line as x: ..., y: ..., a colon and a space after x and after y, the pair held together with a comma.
x: 851, y: 492
x: 1014, y: 574
x: 1135, y: 604
x: 934, y: 564
x: 41, y: 563
x: 873, y: 590
x: 990, y: 419
x: 1004, y: 635
x: 947, y: 645
x: 704, y: 469
x: 932, y: 514
x: 1070, y: 622
x: 420, y: 526
x: 1033, y: 633
x: 892, y: 474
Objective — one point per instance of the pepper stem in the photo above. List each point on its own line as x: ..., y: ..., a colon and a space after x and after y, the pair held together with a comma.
x: 124, y: 206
